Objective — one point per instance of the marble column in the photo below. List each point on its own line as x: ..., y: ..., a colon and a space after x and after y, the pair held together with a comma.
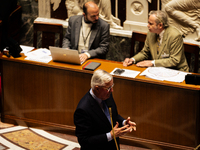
x: 44, y: 8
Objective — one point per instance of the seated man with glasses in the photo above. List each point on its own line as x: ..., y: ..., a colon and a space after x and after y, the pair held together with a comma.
x: 92, y: 119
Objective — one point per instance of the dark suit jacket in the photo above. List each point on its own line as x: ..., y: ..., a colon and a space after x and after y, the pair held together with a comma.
x: 171, y: 52
x: 6, y: 7
x: 99, y: 39
x: 92, y: 124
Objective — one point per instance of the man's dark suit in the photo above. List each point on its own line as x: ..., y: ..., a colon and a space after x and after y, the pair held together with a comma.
x: 92, y: 124
x: 99, y: 39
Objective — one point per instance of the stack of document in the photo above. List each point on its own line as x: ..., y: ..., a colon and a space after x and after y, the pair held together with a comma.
x: 26, y: 49
x: 40, y: 55
x: 161, y: 73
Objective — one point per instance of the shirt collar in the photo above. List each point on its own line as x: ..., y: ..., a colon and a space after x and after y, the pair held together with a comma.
x: 161, y: 34
x: 86, y: 23
x: 94, y: 96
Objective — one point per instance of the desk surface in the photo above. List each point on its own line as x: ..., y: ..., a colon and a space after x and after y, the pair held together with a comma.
x: 107, y: 65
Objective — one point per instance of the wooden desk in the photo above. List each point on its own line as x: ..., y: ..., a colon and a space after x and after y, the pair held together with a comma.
x: 46, y: 95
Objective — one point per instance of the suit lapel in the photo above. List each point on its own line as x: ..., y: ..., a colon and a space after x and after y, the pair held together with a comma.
x: 155, y: 47
x: 163, y: 45
x: 77, y: 30
x: 95, y: 28
x: 98, y: 111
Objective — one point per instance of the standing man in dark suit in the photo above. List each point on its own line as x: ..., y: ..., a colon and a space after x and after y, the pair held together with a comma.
x: 88, y: 33
x: 93, y: 126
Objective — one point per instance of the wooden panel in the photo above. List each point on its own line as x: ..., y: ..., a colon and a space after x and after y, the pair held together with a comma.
x: 44, y: 94
x: 40, y: 94
x: 162, y: 113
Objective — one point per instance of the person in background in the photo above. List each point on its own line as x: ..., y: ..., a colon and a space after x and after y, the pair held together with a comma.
x: 163, y: 45
x: 91, y: 118
x: 6, y: 8
x: 88, y: 33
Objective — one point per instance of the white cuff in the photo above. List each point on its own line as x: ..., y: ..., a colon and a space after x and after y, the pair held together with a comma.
x: 109, y: 137
x: 87, y: 54
x: 133, y: 60
x: 124, y: 122
x: 153, y: 62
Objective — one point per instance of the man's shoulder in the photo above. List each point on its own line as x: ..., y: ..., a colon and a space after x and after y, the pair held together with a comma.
x: 173, y: 31
x: 85, y: 100
x: 103, y: 22
x: 75, y: 17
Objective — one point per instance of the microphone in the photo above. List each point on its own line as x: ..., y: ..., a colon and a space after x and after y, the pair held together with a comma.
x: 109, y: 104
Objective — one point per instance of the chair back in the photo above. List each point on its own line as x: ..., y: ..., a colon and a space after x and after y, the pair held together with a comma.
x: 48, y: 31
x: 140, y: 37
x: 192, y: 56
x: 191, y: 50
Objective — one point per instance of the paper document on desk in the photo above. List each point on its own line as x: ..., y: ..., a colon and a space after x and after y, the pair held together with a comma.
x: 40, y: 55
x: 161, y: 73
x: 26, y: 49
x: 126, y: 73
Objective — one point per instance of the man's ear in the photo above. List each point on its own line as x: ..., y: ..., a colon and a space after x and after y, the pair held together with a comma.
x: 97, y: 88
x: 84, y: 14
x: 160, y: 25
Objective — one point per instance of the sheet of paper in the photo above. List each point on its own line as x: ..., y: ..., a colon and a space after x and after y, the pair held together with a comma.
x: 26, y: 49
x: 127, y: 73
x: 161, y: 73
x: 44, y: 59
x: 40, y: 55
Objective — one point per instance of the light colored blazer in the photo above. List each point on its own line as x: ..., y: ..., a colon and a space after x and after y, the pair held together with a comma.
x: 99, y: 38
x: 171, y: 53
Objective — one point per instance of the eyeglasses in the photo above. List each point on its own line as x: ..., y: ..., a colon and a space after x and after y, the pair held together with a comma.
x: 108, y: 89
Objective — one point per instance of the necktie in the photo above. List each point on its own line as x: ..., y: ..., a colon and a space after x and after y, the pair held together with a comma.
x: 158, y: 44
x: 106, y: 111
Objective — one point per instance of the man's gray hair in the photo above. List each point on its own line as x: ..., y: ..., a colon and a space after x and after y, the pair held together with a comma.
x: 161, y: 17
x: 100, y: 78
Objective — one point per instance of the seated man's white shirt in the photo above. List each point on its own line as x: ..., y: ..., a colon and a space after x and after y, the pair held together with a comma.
x: 86, y: 32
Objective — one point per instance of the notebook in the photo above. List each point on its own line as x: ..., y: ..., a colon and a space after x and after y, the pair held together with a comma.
x: 65, y: 55
x: 91, y: 66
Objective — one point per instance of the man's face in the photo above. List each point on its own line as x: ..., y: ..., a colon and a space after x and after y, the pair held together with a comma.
x: 105, y: 91
x: 92, y: 14
x: 152, y: 26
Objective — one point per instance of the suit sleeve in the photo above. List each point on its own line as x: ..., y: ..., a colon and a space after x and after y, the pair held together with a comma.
x: 67, y: 38
x: 145, y: 53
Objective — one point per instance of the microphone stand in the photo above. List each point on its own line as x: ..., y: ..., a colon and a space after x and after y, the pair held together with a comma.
x: 110, y: 111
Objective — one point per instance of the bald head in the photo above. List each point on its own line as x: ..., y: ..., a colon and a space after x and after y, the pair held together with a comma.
x: 91, y: 12
x: 91, y: 4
